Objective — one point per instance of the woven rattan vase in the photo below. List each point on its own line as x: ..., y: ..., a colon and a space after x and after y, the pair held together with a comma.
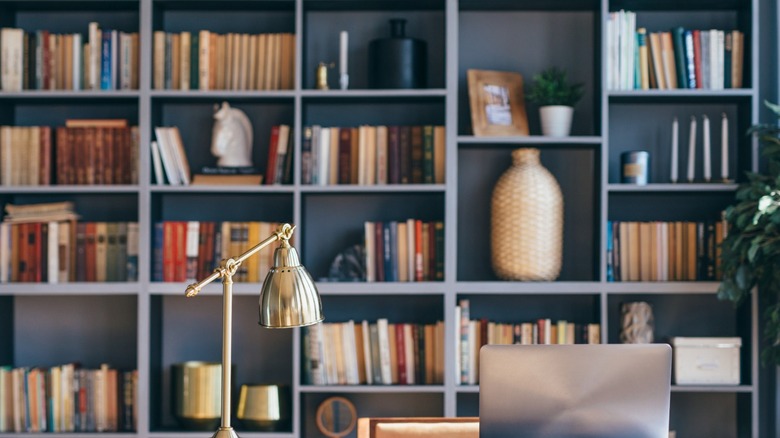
x: 526, y: 221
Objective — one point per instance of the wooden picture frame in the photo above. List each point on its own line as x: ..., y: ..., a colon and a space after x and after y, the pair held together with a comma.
x: 497, y: 103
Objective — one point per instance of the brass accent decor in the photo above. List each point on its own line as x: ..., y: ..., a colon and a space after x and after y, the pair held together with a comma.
x: 526, y: 221
x: 264, y: 407
x: 288, y: 298
x: 196, y: 393
x: 336, y: 417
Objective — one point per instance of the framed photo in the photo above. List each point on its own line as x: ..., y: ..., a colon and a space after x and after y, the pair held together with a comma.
x: 497, y: 103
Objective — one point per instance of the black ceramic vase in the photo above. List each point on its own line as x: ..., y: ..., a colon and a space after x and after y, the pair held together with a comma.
x: 398, y: 61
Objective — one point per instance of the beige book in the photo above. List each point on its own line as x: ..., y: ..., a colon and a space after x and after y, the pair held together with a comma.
x: 94, y: 55
x: 101, y: 251
x: 667, y: 57
x: 270, y: 62
x: 737, y: 57
x: 381, y: 155
x: 653, y: 253
x: 34, y: 158
x: 287, y: 70
x: 403, y: 252
x: 333, y: 171
x: 53, y: 41
x: 244, y: 60
x: 393, y: 344
x: 252, y: 65
x: 68, y: 66
x: 5, y: 155
x: 679, y: 249
x: 371, y: 155
x: 229, y: 39
x: 159, y: 60
x: 362, y: 155
x: 85, y: 81
x: 204, y: 53
x: 185, y: 43
x: 655, y: 54
x: 175, y: 61
x: 217, y: 61
x: 644, y: 71
x: 262, y: 45
x: 635, y: 270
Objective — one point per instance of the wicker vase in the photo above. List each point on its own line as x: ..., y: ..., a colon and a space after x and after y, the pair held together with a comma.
x: 526, y: 221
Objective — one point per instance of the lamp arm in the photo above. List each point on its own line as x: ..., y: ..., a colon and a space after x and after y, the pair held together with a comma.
x: 228, y: 266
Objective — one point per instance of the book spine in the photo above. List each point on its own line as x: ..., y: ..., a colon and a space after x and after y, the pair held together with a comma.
x: 105, y: 61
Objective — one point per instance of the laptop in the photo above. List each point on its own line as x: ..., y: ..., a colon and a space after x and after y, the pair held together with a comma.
x: 575, y: 391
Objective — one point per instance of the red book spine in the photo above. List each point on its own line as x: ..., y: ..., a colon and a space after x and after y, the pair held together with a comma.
x: 393, y: 155
x: 35, y: 253
x: 418, y: 255
x: 697, y: 58
x: 168, y: 251
x: 417, y: 154
x: 400, y: 354
x: 345, y: 155
x: 181, y: 252
x: 270, y: 172
x: 62, y: 157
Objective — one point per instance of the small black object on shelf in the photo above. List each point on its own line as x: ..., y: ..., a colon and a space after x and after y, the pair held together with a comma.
x: 398, y: 61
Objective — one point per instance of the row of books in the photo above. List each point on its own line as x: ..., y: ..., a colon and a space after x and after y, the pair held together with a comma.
x: 67, y: 398
x: 369, y: 155
x: 82, y: 154
x: 207, y: 60
x: 380, y: 353
x: 472, y: 334
x: 66, y: 251
x: 43, y: 60
x: 664, y: 251
x: 186, y: 251
x: 680, y: 58
x: 411, y: 250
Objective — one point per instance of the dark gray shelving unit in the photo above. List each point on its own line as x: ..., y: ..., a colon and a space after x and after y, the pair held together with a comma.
x: 155, y: 326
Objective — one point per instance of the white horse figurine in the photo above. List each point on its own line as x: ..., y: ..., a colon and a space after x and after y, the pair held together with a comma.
x: 231, y: 139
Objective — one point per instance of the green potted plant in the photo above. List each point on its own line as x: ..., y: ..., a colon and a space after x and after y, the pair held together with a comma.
x: 556, y: 97
x: 750, y: 254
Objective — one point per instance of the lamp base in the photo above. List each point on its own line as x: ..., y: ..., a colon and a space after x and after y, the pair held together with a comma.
x: 225, y: 432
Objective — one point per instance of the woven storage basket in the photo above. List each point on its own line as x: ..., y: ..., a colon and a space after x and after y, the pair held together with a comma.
x: 526, y: 221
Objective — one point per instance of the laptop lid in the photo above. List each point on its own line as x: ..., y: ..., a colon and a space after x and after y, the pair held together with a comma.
x: 575, y: 391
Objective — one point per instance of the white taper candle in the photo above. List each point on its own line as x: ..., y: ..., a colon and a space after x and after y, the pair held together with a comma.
x: 724, y: 148
x: 706, y: 156
x: 692, y: 149
x: 343, y: 47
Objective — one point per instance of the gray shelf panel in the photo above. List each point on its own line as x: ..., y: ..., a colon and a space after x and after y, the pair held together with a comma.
x: 528, y: 5
x: 283, y: 189
x: 671, y: 287
x: 470, y: 140
x: 379, y: 288
x: 389, y: 188
x: 374, y: 5
x: 529, y: 287
x: 399, y: 389
x: 467, y: 389
x: 71, y: 94
x: 98, y: 289
x: 680, y: 95
x: 675, y: 5
x: 713, y: 388
x: 214, y: 288
x: 10, y: 190
x: 369, y: 94
x: 200, y: 434
x: 695, y: 187
x: 222, y: 94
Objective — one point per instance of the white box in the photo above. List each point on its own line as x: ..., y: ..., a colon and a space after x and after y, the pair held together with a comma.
x: 706, y: 361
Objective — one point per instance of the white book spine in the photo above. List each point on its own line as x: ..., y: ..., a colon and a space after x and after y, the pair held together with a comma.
x: 94, y: 55
x: 78, y: 79
x: 324, y: 156
x: 53, y: 263
x: 5, y: 252
x: 384, y: 350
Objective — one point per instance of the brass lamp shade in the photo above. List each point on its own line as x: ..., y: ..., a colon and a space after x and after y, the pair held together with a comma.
x: 289, y: 297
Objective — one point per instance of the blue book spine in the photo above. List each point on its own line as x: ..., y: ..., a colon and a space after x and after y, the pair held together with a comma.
x: 690, y: 69
x: 394, y: 250
x: 105, y: 61
x: 637, y: 65
x: 387, y: 252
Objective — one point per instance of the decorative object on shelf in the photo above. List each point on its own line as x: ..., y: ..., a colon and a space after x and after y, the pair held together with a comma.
x: 526, y: 221
x: 231, y: 140
x: 322, y: 75
x: 556, y: 97
x: 336, y: 417
x: 497, y: 103
x: 691, y: 175
x: 349, y: 265
x: 706, y: 151
x: 724, y: 149
x: 634, y: 167
x: 706, y: 361
x: 636, y: 323
x: 397, y: 61
x: 343, y: 53
x: 196, y: 394
x: 750, y: 253
x: 288, y: 299
x: 264, y: 407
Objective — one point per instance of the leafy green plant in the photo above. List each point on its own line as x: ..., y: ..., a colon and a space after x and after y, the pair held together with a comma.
x: 551, y: 87
x: 750, y: 253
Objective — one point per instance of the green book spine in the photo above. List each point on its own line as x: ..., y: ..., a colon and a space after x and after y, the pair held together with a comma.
x: 427, y: 154
x: 194, y: 61
x: 679, y: 57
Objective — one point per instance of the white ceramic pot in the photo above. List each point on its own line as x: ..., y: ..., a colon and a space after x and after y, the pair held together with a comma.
x: 556, y: 120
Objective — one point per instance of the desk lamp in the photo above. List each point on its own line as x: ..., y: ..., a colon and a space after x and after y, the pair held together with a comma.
x: 288, y: 299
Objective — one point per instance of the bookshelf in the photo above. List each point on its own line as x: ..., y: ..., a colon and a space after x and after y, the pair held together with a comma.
x: 155, y: 326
